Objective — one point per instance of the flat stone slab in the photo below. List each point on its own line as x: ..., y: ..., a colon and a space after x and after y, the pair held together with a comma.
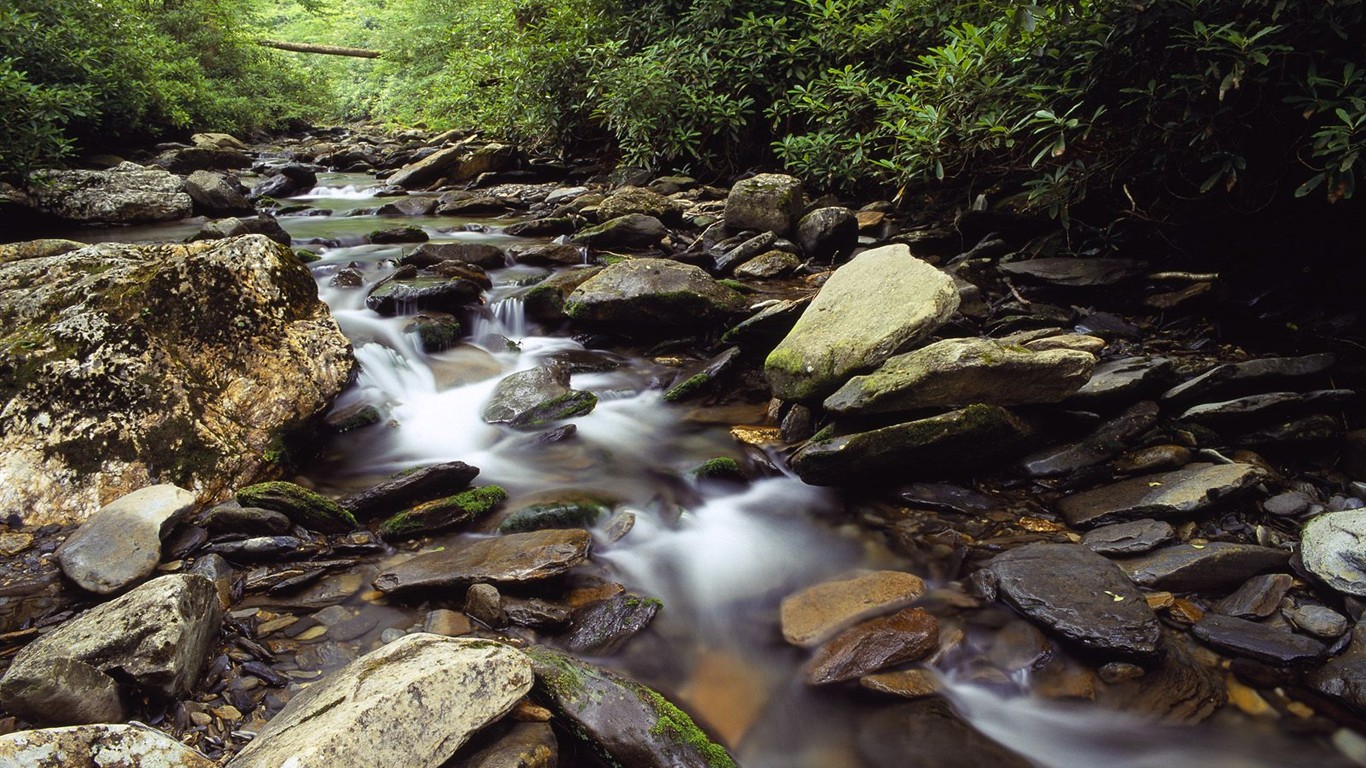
x: 872, y: 645
x: 1124, y: 377
x: 1258, y: 598
x: 1078, y: 594
x: 1249, y: 371
x: 409, y: 488
x: 1128, y: 538
x: 1265, y: 406
x: 816, y: 613
x: 882, y: 302
x: 1076, y: 273
x: 1257, y: 641
x: 97, y: 746
x: 410, y: 703
x: 121, y: 543
x: 510, y: 559
x: 1333, y: 548
x: 1213, y: 566
x: 1168, y: 494
x: 1107, y: 441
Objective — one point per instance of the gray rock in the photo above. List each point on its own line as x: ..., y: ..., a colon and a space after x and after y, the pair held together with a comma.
x: 121, y: 543
x: 427, y: 294
x: 535, y: 398
x: 1263, y: 406
x: 263, y: 224
x: 202, y: 157
x: 480, y: 254
x: 391, y: 235
x: 1213, y: 566
x: 1107, y: 441
x: 409, y: 704
x: 443, y: 512
x: 484, y: 603
x: 408, y: 206
x: 1186, y: 491
x: 622, y: 719
x: 179, y: 362
x: 545, y: 301
x: 1258, y: 598
x: 602, y: 627
x: 1076, y: 273
x: 956, y: 372
x: 511, y: 559
x: 1333, y: 548
x: 1257, y: 641
x: 958, y: 438
x: 97, y: 746
x: 744, y: 251
x: 1124, y: 378
x: 409, y: 487
x: 696, y: 379
x: 652, y: 297
x: 828, y: 233
x: 632, y: 231
x: 768, y: 202
x: 639, y: 200
x: 1271, y: 369
x: 768, y: 326
x: 454, y: 165
x: 288, y: 181
x: 1316, y: 620
x: 548, y: 254
x: 153, y: 638
x: 881, y: 303
x: 303, y: 506
x: 125, y: 194
x: 1288, y: 504
x: 927, y: 734
x: 1079, y: 595
x: 1128, y: 538
x: 767, y: 265
x: 214, y: 195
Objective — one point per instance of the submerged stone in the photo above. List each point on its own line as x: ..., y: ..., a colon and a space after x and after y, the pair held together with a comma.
x: 603, y: 627
x: 536, y: 397
x: 510, y: 559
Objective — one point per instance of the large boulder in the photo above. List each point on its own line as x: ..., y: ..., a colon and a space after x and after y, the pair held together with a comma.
x: 536, y: 397
x: 958, y: 371
x: 121, y: 543
x: 769, y: 202
x: 628, y: 200
x: 634, y: 231
x: 409, y: 704
x: 128, y: 193
x: 152, y: 639
x: 883, y: 302
x: 214, y: 195
x: 97, y: 746
x: 123, y: 366
x: 653, y: 297
x: 454, y: 164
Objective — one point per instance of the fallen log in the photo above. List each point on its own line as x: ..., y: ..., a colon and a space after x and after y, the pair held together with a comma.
x: 326, y: 50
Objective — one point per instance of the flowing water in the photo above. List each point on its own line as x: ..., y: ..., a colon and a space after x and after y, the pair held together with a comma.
x: 719, y: 556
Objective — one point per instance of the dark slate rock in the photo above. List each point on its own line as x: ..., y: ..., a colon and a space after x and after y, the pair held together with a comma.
x: 745, y: 251
x: 397, y: 235
x: 1264, y: 406
x: 288, y: 181
x: 307, y: 508
x: 1248, y: 372
x: 696, y: 379
x: 950, y: 498
x: 547, y: 254
x: 425, y: 294
x: 408, y: 206
x: 1169, y: 494
x: 1318, y: 428
x: 1343, y: 679
x: 435, y: 331
x: 1288, y: 504
x: 513, y: 745
x: 1128, y: 538
x: 768, y: 326
x: 1258, y: 598
x: 352, y: 417
x: 567, y: 511
x: 1079, y: 595
x: 1317, y: 620
x: 536, y: 613
x: 1213, y: 566
x: 550, y: 227
x: 407, y: 488
x: 603, y: 627
x: 1257, y: 641
x: 1107, y: 441
x: 1123, y: 378
x: 828, y: 233
x: 1076, y: 273
x: 479, y: 254
x: 511, y: 559
x: 232, y: 517
x: 632, y: 231
x: 907, y: 635
x: 259, y: 548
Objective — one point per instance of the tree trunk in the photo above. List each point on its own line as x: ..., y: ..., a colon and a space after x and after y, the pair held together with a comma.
x: 326, y: 50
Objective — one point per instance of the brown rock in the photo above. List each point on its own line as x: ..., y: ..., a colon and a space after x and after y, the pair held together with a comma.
x: 816, y: 613
x: 905, y: 636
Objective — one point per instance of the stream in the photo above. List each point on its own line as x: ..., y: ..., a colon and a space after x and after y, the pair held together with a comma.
x: 719, y: 555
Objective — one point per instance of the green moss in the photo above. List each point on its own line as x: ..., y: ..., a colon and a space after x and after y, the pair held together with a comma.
x: 721, y: 468
x: 306, y: 256
x: 569, y: 513
x: 568, y: 405
x: 444, y: 512
x: 306, y: 508
x: 687, y: 388
x: 735, y: 285
x: 675, y: 725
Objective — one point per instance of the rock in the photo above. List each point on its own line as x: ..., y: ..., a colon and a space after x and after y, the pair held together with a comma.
x: 906, y: 683
x: 536, y: 614
x: 571, y: 510
x: 826, y: 234
x: 263, y: 224
x: 408, y: 487
x: 1128, y: 538
x: 1170, y: 494
x: 600, y: 628
x: 632, y: 231
x: 768, y: 326
x: 1258, y: 598
x: 1124, y: 378
x: 424, y: 694
x: 510, y: 559
x: 1101, y: 445
x: 548, y: 254
x: 524, y: 745
x: 442, y: 621
x: 1343, y: 679
x: 1154, y: 458
x: 872, y: 645
x: 1076, y: 273
x: 1188, y: 567
x: 1259, y: 372
x: 218, y: 141
x: 1288, y: 504
x: 408, y: 206
x: 815, y: 614
x: 1257, y: 641
x: 746, y: 250
x: 534, y: 398
x: 767, y: 265
x: 288, y: 181
x: 97, y: 746
x: 1331, y: 547
x: 184, y: 363
x: 629, y: 200
x: 435, y: 331
x: 306, y: 508
x: 153, y: 639
x: 1268, y: 405
x: 125, y: 194
x: 957, y: 372
x: 696, y: 379
x: 214, y: 195
x: 479, y: 254
x: 37, y: 249
x: 879, y: 304
x: 652, y: 297
x: 545, y: 301
x: 443, y: 513
x: 202, y: 158
x: 551, y: 226
x: 927, y: 734
x: 1316, y: 620
x: 768, y: 202
x: 449, y: 163
x: 405, y: 234
x: 426, y: 294
x: 121, y: 543
x: 1079, y: 595
x: 484, y: 604
x: 627, y: 723
x: 967, y: 436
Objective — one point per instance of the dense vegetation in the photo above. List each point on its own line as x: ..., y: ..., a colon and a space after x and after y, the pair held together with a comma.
x: 1052, y: 102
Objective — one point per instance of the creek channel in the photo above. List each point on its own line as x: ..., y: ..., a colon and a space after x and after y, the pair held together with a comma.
x: 720, y: 556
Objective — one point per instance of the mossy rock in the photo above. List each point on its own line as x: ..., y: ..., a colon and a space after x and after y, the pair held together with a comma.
x: 443, y: 513
x: 562, y: 513
x: 306, y: 508
x: 722, y: 468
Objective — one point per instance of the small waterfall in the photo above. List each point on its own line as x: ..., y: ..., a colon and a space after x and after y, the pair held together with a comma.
x: 348, y: 192
x: 505, y: 319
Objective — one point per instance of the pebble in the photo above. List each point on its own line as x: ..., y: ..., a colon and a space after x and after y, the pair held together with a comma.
x: 1318, y: 621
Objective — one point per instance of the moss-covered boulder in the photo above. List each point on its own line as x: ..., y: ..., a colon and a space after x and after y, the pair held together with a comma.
x: 769, y: 202
x: 629, y: 200
x: 569, y: 510
x: 306, y: 508
x: 545, y: 301
x: 653, y: 297
x: 534, y: 398
x: 632, y: 231
x: 123, y: 366
x: 443, y: 513
x: 125, y: 194
x: 626, y: 723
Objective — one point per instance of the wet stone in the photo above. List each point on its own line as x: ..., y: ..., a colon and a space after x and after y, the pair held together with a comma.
x: 1154, y: 458
x: 1128, y: 538
x: 510, y: 559
x: 536, y: 613
x: 306, y: 508
x: 1266, y: 405
x: 603, y: 627
x: 406, y: 488
x: 1316, y: 620
x: 569, y: 511
x: 816, y: 613
x: 232, y: 517
x: 443, y: 621
x: 1257, y: 641
x: 1077, y: 594
x: 699, y: 378
x: 1331, y: 547
x: 518, y: 745
x: 1258, y: 598
x: 352, y: 418
x: 1104, y: 443
x: 484, y: 604
x: 536, y: 397
x: 1122, y: 378
x: 98, y: 746
x: 1262, y: 370
x: 908, y: 684
x: 423, y: 295
x: 1288, y: 504
x: 446, y: 512
x: 1190, y: 567
x: 1183, y: 492
x: 872, y: 645
x: 1076, y: 273
x: 927, y: 734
